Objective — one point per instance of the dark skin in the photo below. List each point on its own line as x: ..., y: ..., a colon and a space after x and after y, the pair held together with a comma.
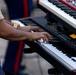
x: 22, y: 33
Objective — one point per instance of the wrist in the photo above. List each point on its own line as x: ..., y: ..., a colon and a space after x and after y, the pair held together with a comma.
x: 29, y: 37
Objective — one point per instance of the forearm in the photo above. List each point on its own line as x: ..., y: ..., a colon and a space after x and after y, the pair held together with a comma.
x: 10, y: 33
x: 17, y: 37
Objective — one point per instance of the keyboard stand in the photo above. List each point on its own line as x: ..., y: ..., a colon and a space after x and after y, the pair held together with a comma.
x: 54, y: 71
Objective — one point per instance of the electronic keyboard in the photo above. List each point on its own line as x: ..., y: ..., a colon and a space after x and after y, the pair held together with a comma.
x: 57, y: 53
x: 60, y: 22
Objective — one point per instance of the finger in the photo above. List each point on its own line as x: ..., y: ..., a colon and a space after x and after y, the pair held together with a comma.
x: 45, y: 39
x: 36, y: 28
x: 47, y: 35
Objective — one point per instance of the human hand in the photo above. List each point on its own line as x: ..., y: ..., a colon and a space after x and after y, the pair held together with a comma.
x: 29, y: 28
x: 8, y: 22
x: 38, y: 35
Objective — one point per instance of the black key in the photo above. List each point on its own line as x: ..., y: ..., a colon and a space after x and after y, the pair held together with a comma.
x: 74, y: 17
x: 60, y: 5
x: 53, y: 1
x: 65, y: 8
x: 70, y: 11
x: 61, y: 47
x: 57, y: 3
x: 73, y: 14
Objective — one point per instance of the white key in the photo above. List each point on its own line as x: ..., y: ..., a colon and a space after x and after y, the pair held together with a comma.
x: 17, y: 21
x: 65, y: 60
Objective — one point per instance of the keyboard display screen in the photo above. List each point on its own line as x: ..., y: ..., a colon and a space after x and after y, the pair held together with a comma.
x: 70, y: 3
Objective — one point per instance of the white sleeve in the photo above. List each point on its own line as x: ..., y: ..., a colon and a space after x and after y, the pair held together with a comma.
x: 1, y: 16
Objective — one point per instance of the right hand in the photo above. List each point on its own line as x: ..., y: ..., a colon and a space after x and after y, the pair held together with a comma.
x: 38, y: 35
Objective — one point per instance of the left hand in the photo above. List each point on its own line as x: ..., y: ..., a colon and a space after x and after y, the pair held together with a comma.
x: 30, y: 28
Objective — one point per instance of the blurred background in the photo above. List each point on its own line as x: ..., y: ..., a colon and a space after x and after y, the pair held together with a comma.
x: 35, y: 64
